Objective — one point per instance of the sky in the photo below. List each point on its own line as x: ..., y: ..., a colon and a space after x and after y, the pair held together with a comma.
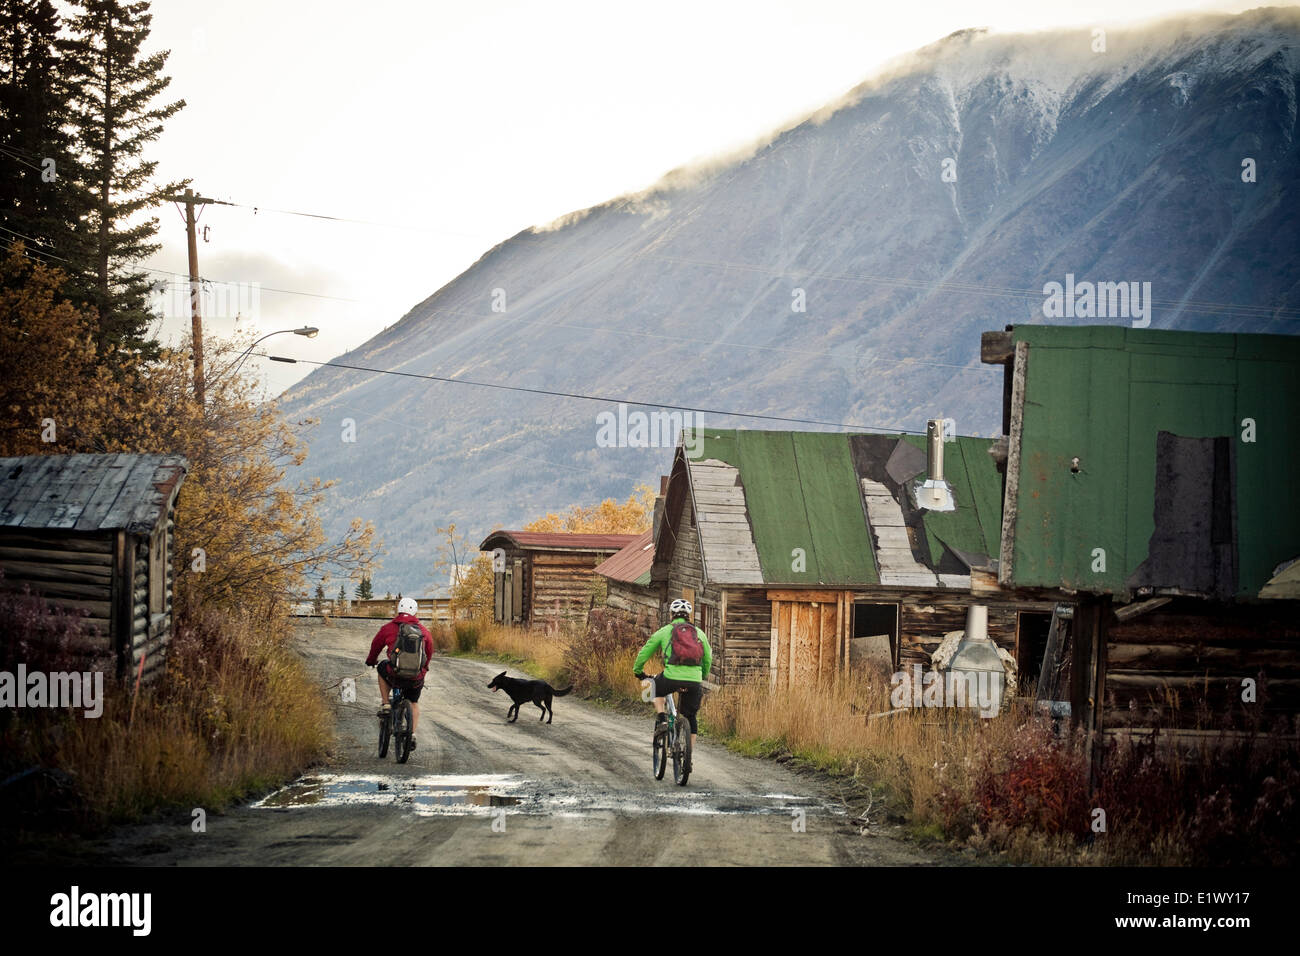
x: 446, y: 128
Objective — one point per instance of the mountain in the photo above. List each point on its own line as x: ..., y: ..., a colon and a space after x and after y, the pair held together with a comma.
x: 1117, y: 166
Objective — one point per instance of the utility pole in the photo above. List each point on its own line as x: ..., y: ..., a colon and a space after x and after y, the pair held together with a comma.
x: 196, y: 320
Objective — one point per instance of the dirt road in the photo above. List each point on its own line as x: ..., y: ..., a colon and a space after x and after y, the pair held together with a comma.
x: 478, y: 790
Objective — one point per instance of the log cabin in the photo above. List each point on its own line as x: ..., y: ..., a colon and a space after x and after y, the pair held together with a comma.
x: 546, y: 577
x: 807, y: 552
x: 94, y: 533
x: 1149, y: 486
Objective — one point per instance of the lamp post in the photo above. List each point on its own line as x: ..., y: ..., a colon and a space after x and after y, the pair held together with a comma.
x: 307, y: 331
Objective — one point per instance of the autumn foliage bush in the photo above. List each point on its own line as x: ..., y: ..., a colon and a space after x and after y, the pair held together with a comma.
x: 599, y: 661
x: 1035, y: 781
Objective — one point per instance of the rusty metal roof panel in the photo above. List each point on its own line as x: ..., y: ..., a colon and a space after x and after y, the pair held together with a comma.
x: 555, y: 541
x: 632, y: 564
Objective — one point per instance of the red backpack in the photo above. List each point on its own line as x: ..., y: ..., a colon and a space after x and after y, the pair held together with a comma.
x: 687, y: 650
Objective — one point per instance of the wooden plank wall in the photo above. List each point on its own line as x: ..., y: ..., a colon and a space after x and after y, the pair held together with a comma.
x: 68, y: 570
x: 638, y: 602
x: 755, y: 627
x: 510, y: 588
x: 561, y: 586
x: 1183, y: 666
x: 747, y: 636
x: 151, y: 633
x: 925, y: 617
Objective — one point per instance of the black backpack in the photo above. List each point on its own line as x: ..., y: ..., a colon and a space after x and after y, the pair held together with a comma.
x: 687, y: 648
x: 408, y: 651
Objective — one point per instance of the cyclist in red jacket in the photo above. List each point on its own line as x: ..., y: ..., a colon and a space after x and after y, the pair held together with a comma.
x: 384, y: 640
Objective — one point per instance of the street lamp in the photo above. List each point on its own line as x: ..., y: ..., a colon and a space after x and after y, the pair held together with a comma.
x: 307, y: 331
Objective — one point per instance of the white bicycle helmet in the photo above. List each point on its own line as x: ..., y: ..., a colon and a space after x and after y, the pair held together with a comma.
x: 407, y: 606
x: 680, y: 606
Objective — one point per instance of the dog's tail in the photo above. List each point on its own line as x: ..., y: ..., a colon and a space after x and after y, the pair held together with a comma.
x: 561, y: 693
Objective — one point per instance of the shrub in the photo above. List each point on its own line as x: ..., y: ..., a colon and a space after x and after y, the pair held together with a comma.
x: 1037, y: 782
x: 600, y: 662
x: 467, y: 634
x: 47, y: 638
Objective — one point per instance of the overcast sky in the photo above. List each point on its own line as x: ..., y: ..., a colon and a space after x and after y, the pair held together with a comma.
x: 451, y: 126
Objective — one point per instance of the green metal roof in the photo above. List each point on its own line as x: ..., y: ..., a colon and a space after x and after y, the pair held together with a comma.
x: 803, y: 490
x: 976, y: 524
x: 1103, y: 395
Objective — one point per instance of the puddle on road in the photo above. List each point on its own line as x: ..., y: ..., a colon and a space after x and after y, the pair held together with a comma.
x: 428, y: 794
x: 441, y: 795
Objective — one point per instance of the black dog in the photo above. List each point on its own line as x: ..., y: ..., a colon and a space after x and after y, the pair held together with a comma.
x: 538, y: 691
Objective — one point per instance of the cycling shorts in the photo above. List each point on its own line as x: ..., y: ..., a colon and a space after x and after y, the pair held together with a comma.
x: 410, y: 688
x: 692, y: 696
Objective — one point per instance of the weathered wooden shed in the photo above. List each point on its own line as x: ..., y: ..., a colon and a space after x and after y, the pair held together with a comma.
x: 546, y: 577
x: 94, y: 533
x: 803, y: 551
x: 629, y: 592
x: 1150, y: 483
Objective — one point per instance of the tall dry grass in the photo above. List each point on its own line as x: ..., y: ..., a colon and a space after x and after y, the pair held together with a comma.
x: 539, y: 651
x: 916, y: 758
x: 1011, y: 785
x: 234, y: 713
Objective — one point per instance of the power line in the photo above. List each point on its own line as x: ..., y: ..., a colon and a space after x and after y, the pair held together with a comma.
x: 182, y: 275
x: 598, y: 398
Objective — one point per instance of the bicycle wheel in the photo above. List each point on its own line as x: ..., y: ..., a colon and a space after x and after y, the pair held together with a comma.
x: 684, y: 746
x: 659, y: 755
x: 385, y: 728
x: 675, y: 744
x: 403, y: 730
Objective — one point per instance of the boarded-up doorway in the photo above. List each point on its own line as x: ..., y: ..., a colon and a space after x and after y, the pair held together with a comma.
x: 809, y: 635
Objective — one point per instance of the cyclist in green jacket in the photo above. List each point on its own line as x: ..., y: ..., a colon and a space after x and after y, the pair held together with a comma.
x: 687, y: 661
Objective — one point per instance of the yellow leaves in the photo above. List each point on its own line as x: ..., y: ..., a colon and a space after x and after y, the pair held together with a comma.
x: 609, y: 517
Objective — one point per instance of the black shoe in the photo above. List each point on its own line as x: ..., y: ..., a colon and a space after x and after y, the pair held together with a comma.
x: 412, y: 743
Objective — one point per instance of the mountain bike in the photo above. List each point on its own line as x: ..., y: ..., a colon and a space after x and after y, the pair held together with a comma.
x: 674, y: 741
x: 398, y: 725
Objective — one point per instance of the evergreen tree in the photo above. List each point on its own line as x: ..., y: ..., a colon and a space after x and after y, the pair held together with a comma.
x: 114, y: 116
x: 343, y: 599
x: 318, y: 603
x: 364, y: 592
x: 41, y: 195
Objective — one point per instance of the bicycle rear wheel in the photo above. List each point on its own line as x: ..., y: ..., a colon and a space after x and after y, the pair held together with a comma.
x: 403, y: 730
x: 659, y: 755
x: 684, y: 748
x: 385, y: 729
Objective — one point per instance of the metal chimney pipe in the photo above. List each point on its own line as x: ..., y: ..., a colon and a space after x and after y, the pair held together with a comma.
x: 977, y: 622
x: 934, y: 449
